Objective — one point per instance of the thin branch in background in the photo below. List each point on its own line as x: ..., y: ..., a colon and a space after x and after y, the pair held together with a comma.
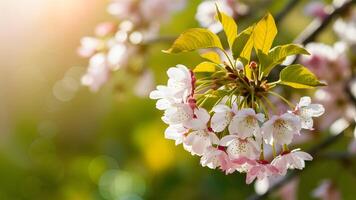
x: 317, y: 26
x: 287, y: 8
x: 337, y: 156
x: 348, y: 90
x: 313, y: 151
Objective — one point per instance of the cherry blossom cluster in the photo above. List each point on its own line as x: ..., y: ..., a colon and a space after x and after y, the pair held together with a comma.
x: 334, y: 60
x: 232, y: 134
x: 115, y: 42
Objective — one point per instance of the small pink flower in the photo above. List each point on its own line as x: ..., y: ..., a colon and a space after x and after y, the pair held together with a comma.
x: 222, y: 117
x: 241, y: 164
x: 306, y: 111
x: 214, y: 157
x: 262, y: 169
x: 291, y: 160
x: 104, y: 29
x: 327, y: 191
x: 176, y: 132
x: 246, y: 123
x: 316, y: 9
x: 97, y: 73
x: 238, y: 147
x: 281, y: 129
x: 199, y: 120
x: 198, y: 141
x: 89, y: 46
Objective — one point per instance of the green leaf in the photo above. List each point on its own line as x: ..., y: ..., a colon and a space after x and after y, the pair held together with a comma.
x: 242, y: 48
x: 298, y: 76
x: 243, y: 44
x: 195, y: 38
x: 264, y: 33
x: 211, y: 56
x: 205, y: 67
x: 277, y: 55
x: 229, y: 26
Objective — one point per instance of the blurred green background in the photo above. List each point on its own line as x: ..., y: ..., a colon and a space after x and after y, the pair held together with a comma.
x: 76, y: 145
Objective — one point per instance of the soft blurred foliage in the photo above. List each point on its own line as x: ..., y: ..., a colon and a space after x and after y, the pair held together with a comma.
x: 60, y: 141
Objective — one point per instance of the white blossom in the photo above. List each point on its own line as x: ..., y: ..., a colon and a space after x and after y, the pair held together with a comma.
x: 199, y: 120
x: 346, y: 28
x: 306, y: 111
x: 177, y: 114
x: 89, y: 46
x: 180, y: 81
x: 198, y: 141
x: 222, y: 117
x: 245, y: 123
x: 213, y: 158
x: 261, y: 170
x: 291, y: 160
x: 281, y: 129
x: 237, y: 147
x: 176, y: 132
x: 97, y: 73
x: 206, y: 14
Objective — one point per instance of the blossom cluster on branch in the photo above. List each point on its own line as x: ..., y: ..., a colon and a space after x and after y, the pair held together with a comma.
x: 221, y: 110
x: 115, y: 43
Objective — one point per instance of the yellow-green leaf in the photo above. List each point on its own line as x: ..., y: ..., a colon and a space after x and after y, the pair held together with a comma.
x: 242, y: 48
x: 277, y: 55
x: 243, y: 44
x: 229, y: 26
x: 195, y: 38
x: 211, y: 56
x: 205, y: 67
x: 298, y: 76
x: 264, y: 33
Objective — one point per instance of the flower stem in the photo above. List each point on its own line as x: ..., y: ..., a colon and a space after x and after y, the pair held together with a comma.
x: 274, y: 150
x: 270, y: 104
x: 285, y: 147
x: 262, y: 156
x: 292, y: 106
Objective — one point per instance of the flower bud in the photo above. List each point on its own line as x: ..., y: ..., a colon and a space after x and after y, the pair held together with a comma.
x: 253, y: 65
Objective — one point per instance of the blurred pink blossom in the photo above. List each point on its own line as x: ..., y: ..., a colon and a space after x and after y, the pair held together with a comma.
x: 327, y: 191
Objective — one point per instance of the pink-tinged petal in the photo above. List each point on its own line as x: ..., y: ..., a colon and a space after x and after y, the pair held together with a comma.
x: 232, y: 126
x: 221, y: 108
x: 175, y: 73
x: 199, y: 146
x: 297, y: 162
x: 304, y: 101
x: 226, y: 140
x: 163, y: 104
x: 243, y: 160
x: 219, y: 121
x: 199, y: 121
x: 303, y: 155
x: 203, y: 115
x: 213, y: 138
x: 316, y: 109
x: 273, y: 170
x: 252, y: 174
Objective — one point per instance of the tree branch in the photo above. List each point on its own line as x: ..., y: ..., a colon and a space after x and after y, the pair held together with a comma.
x: 287, y: 8
x: 317, y: 26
